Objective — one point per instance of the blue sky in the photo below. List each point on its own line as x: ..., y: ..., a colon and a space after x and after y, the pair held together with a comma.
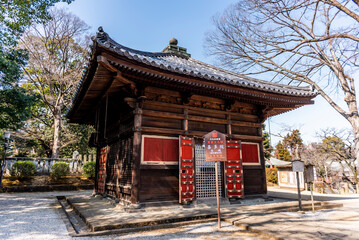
x: 148, y: 26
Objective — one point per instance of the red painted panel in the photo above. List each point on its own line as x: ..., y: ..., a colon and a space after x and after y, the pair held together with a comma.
x: 170, y: 150
x: 233, y: 170
x: 250, y: 153
x: 160, y: 150
x: 186, y: 174
x: 152, y: 151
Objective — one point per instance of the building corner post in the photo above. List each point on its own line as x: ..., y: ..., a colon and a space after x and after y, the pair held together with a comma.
x: 136, y: 154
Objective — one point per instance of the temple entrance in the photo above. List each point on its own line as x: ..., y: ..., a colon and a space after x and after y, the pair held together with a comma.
x: 205, y: 175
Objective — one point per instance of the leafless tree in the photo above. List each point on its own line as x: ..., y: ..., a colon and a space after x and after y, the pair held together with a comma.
x: 338, y: 145
x: 297, y: 42
x: 312, y: 154
x: 57, y: 52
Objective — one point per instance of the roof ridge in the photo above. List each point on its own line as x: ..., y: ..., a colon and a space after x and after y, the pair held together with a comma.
x: 103, y: 38
x: 193, y: 67
x: 245, y: 77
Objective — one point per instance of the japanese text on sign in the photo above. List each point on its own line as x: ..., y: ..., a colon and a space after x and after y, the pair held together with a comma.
x: 215, y: 146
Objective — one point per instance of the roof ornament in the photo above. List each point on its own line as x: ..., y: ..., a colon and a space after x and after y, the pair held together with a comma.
x: 101, y: 35
x: 173, y: 41
x: 173, y: 48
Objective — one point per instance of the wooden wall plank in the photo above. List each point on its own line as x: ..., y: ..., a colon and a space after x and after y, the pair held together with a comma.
x: 157, y: 185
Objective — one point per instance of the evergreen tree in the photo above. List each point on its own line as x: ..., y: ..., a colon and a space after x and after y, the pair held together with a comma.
x: 267, y: 144
x: 294, y: 142
x: 15, y: 17
x: 282, y: 152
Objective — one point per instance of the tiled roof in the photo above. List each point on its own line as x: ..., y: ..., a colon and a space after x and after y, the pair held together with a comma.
x: 276, y: 162
x: 188, y: 66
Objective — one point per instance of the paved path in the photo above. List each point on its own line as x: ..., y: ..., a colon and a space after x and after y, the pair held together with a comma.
x: 35, y: 216
x: 291, y: 193
x: 338, y: 223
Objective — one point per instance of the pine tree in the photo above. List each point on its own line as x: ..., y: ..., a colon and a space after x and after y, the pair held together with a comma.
x: 282, y: 152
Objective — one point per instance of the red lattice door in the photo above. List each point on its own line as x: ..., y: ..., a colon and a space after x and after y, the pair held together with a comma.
x: 101, y: 177
x: 234, y: 170
x: 186, y: 170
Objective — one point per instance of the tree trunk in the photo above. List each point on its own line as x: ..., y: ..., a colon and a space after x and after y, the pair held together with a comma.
x: 355, y: 126
x: 57, y: 131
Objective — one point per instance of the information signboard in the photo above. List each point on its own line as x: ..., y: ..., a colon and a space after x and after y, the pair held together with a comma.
x: 215, y: 146
x: 297, y: 166
x: 309, y: 173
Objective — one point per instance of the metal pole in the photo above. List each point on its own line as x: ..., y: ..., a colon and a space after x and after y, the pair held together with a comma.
x: 311, y: 196
x: 217, y: 192
x: 299, y: 196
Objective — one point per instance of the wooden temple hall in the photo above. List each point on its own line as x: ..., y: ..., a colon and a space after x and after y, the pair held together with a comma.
x: 151, y: 111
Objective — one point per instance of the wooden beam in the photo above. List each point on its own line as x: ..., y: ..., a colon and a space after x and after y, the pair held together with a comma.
x: 249, y: 116
x: 170, y: 131
x: 246, y: 124
x: 247, y: 137
x: 104, y: 62
x: 152, y: 113
x: 207, y: 119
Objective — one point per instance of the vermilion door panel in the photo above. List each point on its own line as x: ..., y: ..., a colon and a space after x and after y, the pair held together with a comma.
x: 234, y: 170
x: 186, y: 170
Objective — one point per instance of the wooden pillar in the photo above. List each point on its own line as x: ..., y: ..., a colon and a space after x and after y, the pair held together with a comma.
x: 97, y: 167
x: 229, y: 126
x: 185, y: 121
x: 136, y: 154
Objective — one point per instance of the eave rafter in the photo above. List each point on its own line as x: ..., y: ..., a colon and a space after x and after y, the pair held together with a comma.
x: 141, y: 74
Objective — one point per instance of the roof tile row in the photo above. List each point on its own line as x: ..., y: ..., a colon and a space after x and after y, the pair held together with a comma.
x: 191, y: 67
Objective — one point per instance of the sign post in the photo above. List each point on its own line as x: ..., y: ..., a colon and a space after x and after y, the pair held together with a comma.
x: 309, y: 179
x: 215, y: 150
x: 217, y: 194
x: 297, y: 167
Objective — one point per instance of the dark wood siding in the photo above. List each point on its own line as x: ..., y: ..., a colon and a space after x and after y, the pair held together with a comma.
x: 118, y: 183
x: 253, y: 180
x: 159, y: 185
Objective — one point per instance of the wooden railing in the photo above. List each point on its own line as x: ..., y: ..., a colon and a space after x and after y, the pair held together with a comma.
x: 43, y: 165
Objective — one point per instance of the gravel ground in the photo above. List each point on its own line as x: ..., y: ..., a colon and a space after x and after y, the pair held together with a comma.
x: 30, y: 217
x: 35, y: 216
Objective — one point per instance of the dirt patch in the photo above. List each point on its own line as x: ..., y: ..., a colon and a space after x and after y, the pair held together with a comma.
x: 46, y: 181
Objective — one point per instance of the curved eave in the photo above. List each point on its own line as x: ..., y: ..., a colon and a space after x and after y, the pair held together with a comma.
x: 145, y: 74
x: 150, y: 59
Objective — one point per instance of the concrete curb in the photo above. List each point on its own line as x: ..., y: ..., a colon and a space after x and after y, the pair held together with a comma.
x: 153, y: 223
x: 142, y: 229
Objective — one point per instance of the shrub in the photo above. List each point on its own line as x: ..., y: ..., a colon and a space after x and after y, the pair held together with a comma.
x: 22, y: 169
x: 272, y: 175
x: 60, y: 169
x: 89, y: 169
